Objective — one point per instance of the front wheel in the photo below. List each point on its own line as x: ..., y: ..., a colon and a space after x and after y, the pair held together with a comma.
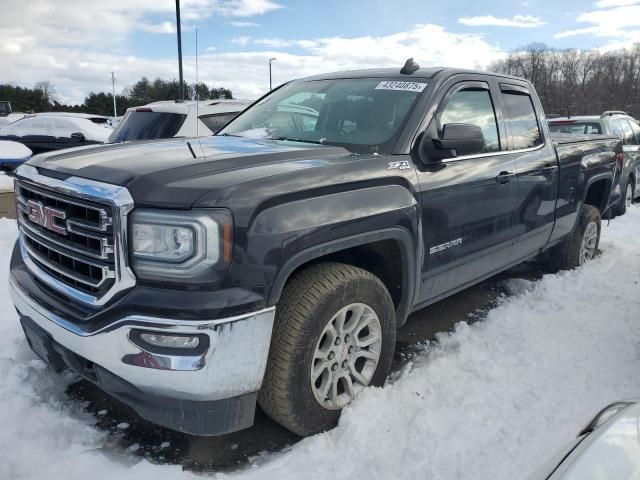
x: 582, y: 245
x: 334, y: 335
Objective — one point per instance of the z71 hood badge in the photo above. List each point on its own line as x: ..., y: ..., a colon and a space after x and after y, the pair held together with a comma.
x: 399, y: 165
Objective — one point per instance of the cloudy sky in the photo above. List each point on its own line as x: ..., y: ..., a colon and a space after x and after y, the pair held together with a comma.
x: 75, y: 44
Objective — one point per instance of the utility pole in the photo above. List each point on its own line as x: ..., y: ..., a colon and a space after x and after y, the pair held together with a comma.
x: 270, y: 83
x: 113, y: 83
x: 180, y: 87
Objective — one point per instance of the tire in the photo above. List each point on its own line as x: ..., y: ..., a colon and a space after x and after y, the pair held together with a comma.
x: 627, y: 197
x: 570, y: 253
x: 310, y: 303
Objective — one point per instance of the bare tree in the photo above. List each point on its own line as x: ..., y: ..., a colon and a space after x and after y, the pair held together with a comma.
x: 576, y: 81
x: 48, y: 91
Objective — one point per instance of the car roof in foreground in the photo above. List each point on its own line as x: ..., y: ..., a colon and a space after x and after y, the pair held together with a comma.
x: 613, y: 449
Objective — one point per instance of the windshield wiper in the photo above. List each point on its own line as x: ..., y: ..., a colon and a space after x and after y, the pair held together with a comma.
x: 296, y: 140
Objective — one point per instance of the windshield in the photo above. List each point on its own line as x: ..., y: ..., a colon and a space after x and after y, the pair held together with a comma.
x: 144, y: 125
x: 362, y: 115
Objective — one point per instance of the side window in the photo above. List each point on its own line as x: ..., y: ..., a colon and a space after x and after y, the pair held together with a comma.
x: 616, y: 128
x: 216, y: 122
x: 476, y: 108
x: 636, y: 130
x: 523, y: 120
x: 629, y: 136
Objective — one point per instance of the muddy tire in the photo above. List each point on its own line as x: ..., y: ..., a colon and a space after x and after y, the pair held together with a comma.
x: 334, y: 335
x: 582, y: 245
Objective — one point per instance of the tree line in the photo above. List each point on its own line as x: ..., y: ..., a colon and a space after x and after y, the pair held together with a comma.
x: 578, y: 82
x: 42, y: 97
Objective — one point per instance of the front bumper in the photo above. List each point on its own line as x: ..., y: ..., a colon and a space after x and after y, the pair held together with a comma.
x: 173, y: 390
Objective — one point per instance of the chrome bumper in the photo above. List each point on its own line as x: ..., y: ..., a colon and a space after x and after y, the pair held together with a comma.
x: 233, y: 364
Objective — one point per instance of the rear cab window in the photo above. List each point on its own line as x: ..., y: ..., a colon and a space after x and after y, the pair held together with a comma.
x: 575, y: 127
x: 147, y: 125
x: 520, y: 116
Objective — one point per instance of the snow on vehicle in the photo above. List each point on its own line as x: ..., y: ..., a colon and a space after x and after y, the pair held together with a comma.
x: 13, y: 154
x: 44, y: 132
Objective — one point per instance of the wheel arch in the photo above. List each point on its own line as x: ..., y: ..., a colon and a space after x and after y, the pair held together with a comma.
x: 372, y: 251
x: 597, y: 192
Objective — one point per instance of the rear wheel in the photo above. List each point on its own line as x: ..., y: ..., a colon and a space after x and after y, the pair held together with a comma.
x: 582, y: 245
x: 334, y: 336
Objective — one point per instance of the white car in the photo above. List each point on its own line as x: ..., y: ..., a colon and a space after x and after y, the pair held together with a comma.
x: 176, y: 119
x: 44, y: 132
x: 607, y: 448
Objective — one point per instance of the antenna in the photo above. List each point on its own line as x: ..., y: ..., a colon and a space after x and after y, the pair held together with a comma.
x: 197, y: 94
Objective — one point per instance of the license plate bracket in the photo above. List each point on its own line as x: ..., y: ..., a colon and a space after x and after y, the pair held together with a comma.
x: 41, y: 343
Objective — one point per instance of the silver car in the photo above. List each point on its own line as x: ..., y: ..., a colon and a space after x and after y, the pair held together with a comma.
x: 608, y: 448
x: 611, y: 123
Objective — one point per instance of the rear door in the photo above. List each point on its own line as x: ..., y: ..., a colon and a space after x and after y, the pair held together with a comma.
x: 467, y: 202
x: 536, y: 168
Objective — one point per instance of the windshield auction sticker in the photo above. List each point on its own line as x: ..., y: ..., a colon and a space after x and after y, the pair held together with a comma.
x: 405, y: 86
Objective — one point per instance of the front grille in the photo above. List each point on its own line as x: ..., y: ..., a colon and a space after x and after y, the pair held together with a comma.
x: 75, y: 245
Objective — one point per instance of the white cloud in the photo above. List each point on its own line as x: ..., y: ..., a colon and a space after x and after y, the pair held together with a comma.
x: 274, y: 42
x: 247, y: 8
x: 244, y: 24
x: 517, y: 21
x: 77, y: 69
x: 615, y: 3
x: 618, y: 22
x: 244, y: 40
x: 164, y: 27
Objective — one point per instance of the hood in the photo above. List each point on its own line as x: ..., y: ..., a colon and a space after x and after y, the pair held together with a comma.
x: 174, y: 173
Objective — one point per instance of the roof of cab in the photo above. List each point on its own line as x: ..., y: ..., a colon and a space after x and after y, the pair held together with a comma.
x: 426, y: 72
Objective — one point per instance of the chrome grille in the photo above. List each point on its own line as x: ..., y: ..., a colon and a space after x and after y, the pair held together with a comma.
x: 73, y: 234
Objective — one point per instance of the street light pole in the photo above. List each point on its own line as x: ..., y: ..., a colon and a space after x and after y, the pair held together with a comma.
x: 270, y: 83
x: 180, y: 87
x: 113, y: 83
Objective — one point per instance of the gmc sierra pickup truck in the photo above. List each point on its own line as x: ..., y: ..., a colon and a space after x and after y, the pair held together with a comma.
x: 272, y: 263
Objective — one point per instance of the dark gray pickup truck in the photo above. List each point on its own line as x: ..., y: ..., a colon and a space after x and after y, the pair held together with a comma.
x: 272, y: 263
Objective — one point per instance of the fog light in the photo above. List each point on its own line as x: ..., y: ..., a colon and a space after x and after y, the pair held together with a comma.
x: 171, y: 341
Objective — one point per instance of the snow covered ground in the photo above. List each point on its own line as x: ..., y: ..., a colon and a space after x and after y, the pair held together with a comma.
x: 6, y: 185
x: 492, y: 400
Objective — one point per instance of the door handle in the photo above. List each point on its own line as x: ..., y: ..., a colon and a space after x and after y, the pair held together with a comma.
x: 549, y: 169
x: 504, y: 177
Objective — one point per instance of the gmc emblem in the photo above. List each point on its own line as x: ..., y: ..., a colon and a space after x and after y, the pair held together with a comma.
x: 46, y: 216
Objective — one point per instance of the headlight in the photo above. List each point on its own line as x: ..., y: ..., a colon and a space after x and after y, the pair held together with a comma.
x: 162, y: 242
x: 181, y: 245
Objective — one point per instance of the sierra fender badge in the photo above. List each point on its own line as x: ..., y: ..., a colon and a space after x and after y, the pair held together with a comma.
x: 445, y: 246
x: 398, y: 165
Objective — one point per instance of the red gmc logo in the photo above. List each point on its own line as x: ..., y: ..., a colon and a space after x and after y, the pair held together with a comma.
x: 46, y: 216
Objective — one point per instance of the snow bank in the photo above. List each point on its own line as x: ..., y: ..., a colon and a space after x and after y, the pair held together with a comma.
x: 492, y: 400
x: 13, y: 151
x: 6, y: 185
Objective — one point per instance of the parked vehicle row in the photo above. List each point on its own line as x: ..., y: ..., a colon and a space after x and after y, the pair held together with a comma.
x: 621, y: 125
x: 169, y: 119
x: 273, y: 262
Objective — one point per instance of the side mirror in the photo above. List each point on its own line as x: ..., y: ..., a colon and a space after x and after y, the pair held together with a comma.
x: 79, y: 137
x: 457, y: 139
x: 460, y: 139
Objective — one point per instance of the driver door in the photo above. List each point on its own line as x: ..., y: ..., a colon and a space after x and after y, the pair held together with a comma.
x: 468, y: 202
